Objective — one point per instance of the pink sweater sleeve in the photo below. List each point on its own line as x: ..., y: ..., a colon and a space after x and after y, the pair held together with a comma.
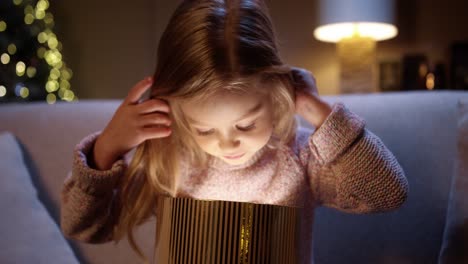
x: 350, y: 168
x: 88, y: 209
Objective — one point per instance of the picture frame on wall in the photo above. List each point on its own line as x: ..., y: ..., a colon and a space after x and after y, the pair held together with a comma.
x: 389, y: 75
x: 415, y: 67
x: 459, y: 66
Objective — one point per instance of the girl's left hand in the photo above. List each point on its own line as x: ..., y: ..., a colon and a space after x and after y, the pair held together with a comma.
x: 308, y: 103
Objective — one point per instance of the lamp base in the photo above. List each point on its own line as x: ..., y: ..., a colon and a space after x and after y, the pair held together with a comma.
x: 357, y: 57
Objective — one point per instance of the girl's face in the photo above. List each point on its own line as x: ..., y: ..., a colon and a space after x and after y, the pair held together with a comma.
x: 230, y: 126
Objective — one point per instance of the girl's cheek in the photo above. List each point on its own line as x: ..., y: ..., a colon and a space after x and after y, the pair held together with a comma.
x: 203, y: 141
x: 262, y: 135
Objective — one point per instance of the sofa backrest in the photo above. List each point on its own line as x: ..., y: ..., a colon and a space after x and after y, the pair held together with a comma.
x: 418, y: 127
x: 48, y: 134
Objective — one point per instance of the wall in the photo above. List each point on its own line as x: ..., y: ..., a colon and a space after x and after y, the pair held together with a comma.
x: 110, y: 45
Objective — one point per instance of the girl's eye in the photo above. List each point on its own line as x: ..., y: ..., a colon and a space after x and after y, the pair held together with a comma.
x: 247, y: 128
x: 204, y: 133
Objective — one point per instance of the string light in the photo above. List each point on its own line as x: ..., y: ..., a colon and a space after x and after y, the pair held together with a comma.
x: 51, y: 98
x: 11, y: 49
x: 3, y: 25
x: 49, y: 19
x: 3, y: 91
x: 5, y: 58
x: 42, y: 37
x: 58, y: 82
x: 65, y: 84
x: 42, y: 5
x: 39, y: 14
x: 40, y: 52
x: 20, y: 68
x: 66, y: 74
x: 31, y: 71
x: 430, y: 81
x: 24, y: 92
x: 52, y: 86
x: 54, y: 74
x: 28, y: 19
x: 28, y: 10
x: 53, y: 57
x: 52, y: 42
x: 61, y: 93
x: 68, y: 95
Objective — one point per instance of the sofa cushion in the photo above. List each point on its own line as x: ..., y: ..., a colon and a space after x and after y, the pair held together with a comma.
x: 455, y: 244
x: 29, y: 234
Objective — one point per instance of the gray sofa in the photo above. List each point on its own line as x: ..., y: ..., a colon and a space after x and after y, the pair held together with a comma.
x: 419, y: 127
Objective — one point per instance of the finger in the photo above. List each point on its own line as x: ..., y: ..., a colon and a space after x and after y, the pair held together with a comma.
x: 155, y: 119
x: 138, y: 90
x: 298, y: 76
x: 156, y: 132
x: 152, y: 105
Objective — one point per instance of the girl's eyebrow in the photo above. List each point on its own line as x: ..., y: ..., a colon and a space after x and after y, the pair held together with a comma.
x: 251, y: 111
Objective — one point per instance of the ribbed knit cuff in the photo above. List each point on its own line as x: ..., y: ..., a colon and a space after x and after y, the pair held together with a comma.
x: 90, y: 180
x: 338, y: 131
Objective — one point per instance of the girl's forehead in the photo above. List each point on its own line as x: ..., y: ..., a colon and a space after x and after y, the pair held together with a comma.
x: 224, y: 97
x: 223, y: 107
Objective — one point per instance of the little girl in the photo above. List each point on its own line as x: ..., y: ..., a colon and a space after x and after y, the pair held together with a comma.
x: 220, y: 125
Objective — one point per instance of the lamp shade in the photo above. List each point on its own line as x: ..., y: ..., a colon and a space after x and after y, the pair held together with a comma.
x: 340, y: 19
x: 210, y: 231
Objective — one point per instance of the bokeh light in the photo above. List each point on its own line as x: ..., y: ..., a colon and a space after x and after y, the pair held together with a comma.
x: 52, y: 86
x: 41, y: 61
x: 31, y: 71
x: 3, y: 25
x: 3, y: 91
x: 24, y: 92
x: 41, y: 52
x: 51, y: 98
x: 11, y: 48
x: 28, y: 19
x: 20, y: 68
x: 5, y: 58
x: 42, y: 5
x: 54, y: 74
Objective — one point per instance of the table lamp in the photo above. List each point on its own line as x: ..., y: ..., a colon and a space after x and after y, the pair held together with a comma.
x: 356, y: 26
x: 212, y: 231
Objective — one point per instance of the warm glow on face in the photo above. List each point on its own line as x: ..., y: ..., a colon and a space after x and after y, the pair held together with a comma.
x: 338, y: 31
x: 224, y: 126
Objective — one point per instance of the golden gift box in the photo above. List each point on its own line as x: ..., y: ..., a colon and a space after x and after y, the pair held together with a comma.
x: 212, y: 231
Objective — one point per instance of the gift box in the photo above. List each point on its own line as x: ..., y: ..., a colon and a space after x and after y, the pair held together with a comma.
x: 212, y: 231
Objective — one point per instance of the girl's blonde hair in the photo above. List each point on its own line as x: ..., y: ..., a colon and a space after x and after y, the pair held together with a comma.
x: 208, y: 46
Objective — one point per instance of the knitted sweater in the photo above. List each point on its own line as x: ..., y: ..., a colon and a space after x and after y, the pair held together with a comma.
x: 341, y: 165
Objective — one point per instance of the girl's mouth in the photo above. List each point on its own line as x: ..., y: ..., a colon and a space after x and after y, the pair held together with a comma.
x: 234, y: 157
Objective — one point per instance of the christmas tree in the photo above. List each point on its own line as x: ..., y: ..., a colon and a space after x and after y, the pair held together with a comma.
x: 31, y: 65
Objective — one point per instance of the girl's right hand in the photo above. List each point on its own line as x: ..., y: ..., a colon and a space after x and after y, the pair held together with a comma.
x: 132, y: 123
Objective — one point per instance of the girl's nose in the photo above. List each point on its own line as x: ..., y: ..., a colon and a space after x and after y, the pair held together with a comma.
x: 228, y: 145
